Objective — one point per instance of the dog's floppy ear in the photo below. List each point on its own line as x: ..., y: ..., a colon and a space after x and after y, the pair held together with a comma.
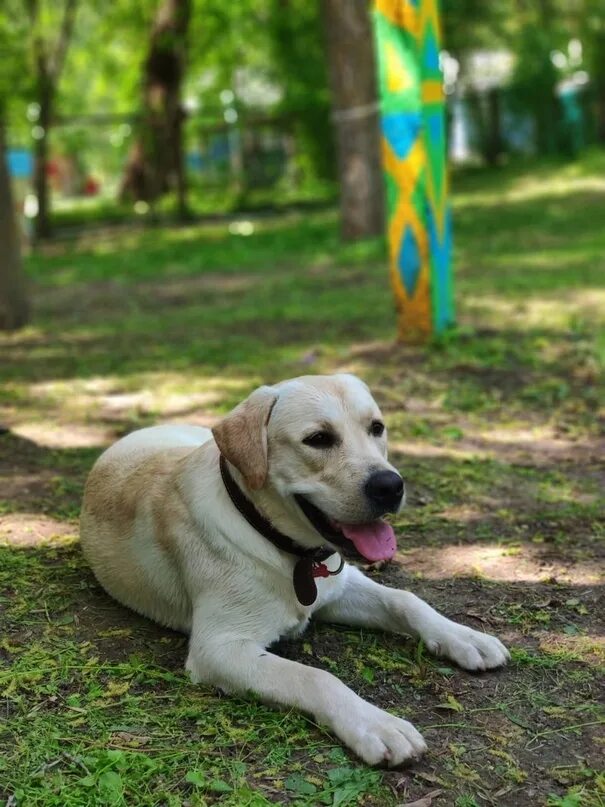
x: 242, y: 436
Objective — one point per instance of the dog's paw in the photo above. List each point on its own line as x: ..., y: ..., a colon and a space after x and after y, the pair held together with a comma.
x: 469, y: 648
x: 380, y: 738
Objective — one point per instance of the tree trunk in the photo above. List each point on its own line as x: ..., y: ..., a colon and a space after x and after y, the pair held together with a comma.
x: 493, y: 143
x: 597, y: 73
x: 42, y: 226
x: 352, y: 77
x: 156, y: 163
x: 600, y: 114
x: 14, y: 309
x: 547, y: 15
x: 49, y: 63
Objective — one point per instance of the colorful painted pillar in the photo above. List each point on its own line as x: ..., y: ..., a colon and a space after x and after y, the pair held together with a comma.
x: 407, y: 34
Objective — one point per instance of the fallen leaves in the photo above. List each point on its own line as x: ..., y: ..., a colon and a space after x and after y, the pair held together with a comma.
x: 425, y: 801
x: 451, y: 704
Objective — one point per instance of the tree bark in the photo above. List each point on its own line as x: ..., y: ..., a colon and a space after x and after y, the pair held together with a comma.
x: 42, y: 226
x: 49, y: 65
x: 156, y: 163
x: 14, y: 309
x: 597, y: 73
x: 494, y: 144
x: 355, y: 114
x: 600, y: 114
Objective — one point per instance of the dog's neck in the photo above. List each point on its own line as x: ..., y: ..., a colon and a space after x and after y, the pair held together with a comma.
x: 283, y: 513
x: 259, y: 521
x: 310, y: 560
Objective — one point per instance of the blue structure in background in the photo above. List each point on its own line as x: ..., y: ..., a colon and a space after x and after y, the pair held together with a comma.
x: 20, y: 163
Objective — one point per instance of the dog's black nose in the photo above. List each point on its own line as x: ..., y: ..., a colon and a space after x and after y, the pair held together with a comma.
x: 384, y: 489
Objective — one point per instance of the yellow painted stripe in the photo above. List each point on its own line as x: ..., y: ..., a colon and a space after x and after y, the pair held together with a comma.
x: 401, y: 13
x: 432, y: 92
x: 404, y: 171
x: 398, y: 78
x: 430, y: 13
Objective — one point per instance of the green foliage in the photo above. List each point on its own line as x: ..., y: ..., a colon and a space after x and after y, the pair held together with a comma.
x: 469, y: 24
x: 533, y: 84
x: 531, y: 32
x: 297, y: 43
x: 263, y: 41
x: 14, y: 84
x: 103, y: 69
x: 592, y: 34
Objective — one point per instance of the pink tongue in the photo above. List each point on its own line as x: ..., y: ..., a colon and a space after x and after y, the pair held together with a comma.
x: 375, y: 541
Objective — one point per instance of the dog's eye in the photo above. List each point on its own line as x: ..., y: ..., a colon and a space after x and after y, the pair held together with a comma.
x: 377, y: 428
x: 320, y: 440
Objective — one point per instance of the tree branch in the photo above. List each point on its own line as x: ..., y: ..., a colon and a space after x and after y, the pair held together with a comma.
x: 67, y: 25
x: 32, y: 10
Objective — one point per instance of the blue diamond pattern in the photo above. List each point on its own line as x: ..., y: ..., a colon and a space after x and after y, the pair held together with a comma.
x: 409, y: 261
x: 401, y: 129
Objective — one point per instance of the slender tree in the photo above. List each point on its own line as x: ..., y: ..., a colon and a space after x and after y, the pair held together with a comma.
x: 156, y: 162
x: 48, y: 58
x: 592, y: 34
x: 14, y: 309
x: 352, y: 77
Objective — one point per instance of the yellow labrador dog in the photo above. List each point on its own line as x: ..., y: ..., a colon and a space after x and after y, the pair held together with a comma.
x: 238, y: 536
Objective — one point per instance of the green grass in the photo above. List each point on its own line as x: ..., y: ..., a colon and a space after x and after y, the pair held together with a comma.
x: 203, y: 201
x: 499, y: 429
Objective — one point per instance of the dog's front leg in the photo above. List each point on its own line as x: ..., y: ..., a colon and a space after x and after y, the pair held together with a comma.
x: 238, y: 664
x: 366, y: 603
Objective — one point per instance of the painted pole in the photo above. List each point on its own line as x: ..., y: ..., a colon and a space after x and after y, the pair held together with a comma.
x: 412, y: 105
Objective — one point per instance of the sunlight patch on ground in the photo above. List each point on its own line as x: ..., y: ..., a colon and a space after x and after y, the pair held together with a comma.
x: 154, y: 384
x: 550, y: 257
x: 527, y: 189
x: 536, y: 311
x: 422, y: 449
x: 25, y: 530
x: 522, y: 563
x: 31, y: 334
x: 509, y: 448
x: 539, y: 445
x: 84, y: 412
x: 147, y: 401
x: 50, y: 434
x: 462, y: 514
x: 586, y: 648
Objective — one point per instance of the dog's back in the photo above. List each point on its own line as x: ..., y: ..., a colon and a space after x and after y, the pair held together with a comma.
x: 128, y: 500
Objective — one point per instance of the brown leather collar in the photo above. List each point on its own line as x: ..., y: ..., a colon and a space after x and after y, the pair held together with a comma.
x: 310, y: 564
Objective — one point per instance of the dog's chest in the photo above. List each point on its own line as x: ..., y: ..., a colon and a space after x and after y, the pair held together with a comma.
x: 295, y: 618
x: 296, y: 626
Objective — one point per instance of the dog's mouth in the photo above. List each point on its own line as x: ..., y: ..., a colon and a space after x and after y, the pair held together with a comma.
x: 370, y: 542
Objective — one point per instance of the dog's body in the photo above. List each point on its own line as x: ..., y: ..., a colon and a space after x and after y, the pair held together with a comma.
x: 164, y: 537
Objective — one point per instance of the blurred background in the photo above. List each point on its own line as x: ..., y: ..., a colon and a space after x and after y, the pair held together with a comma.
x: 248, y: 121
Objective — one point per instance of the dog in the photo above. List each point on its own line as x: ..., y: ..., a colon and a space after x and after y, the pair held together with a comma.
x: 239, y: 535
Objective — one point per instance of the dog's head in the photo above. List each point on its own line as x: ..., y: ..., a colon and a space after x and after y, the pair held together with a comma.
x: 320, y: 444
